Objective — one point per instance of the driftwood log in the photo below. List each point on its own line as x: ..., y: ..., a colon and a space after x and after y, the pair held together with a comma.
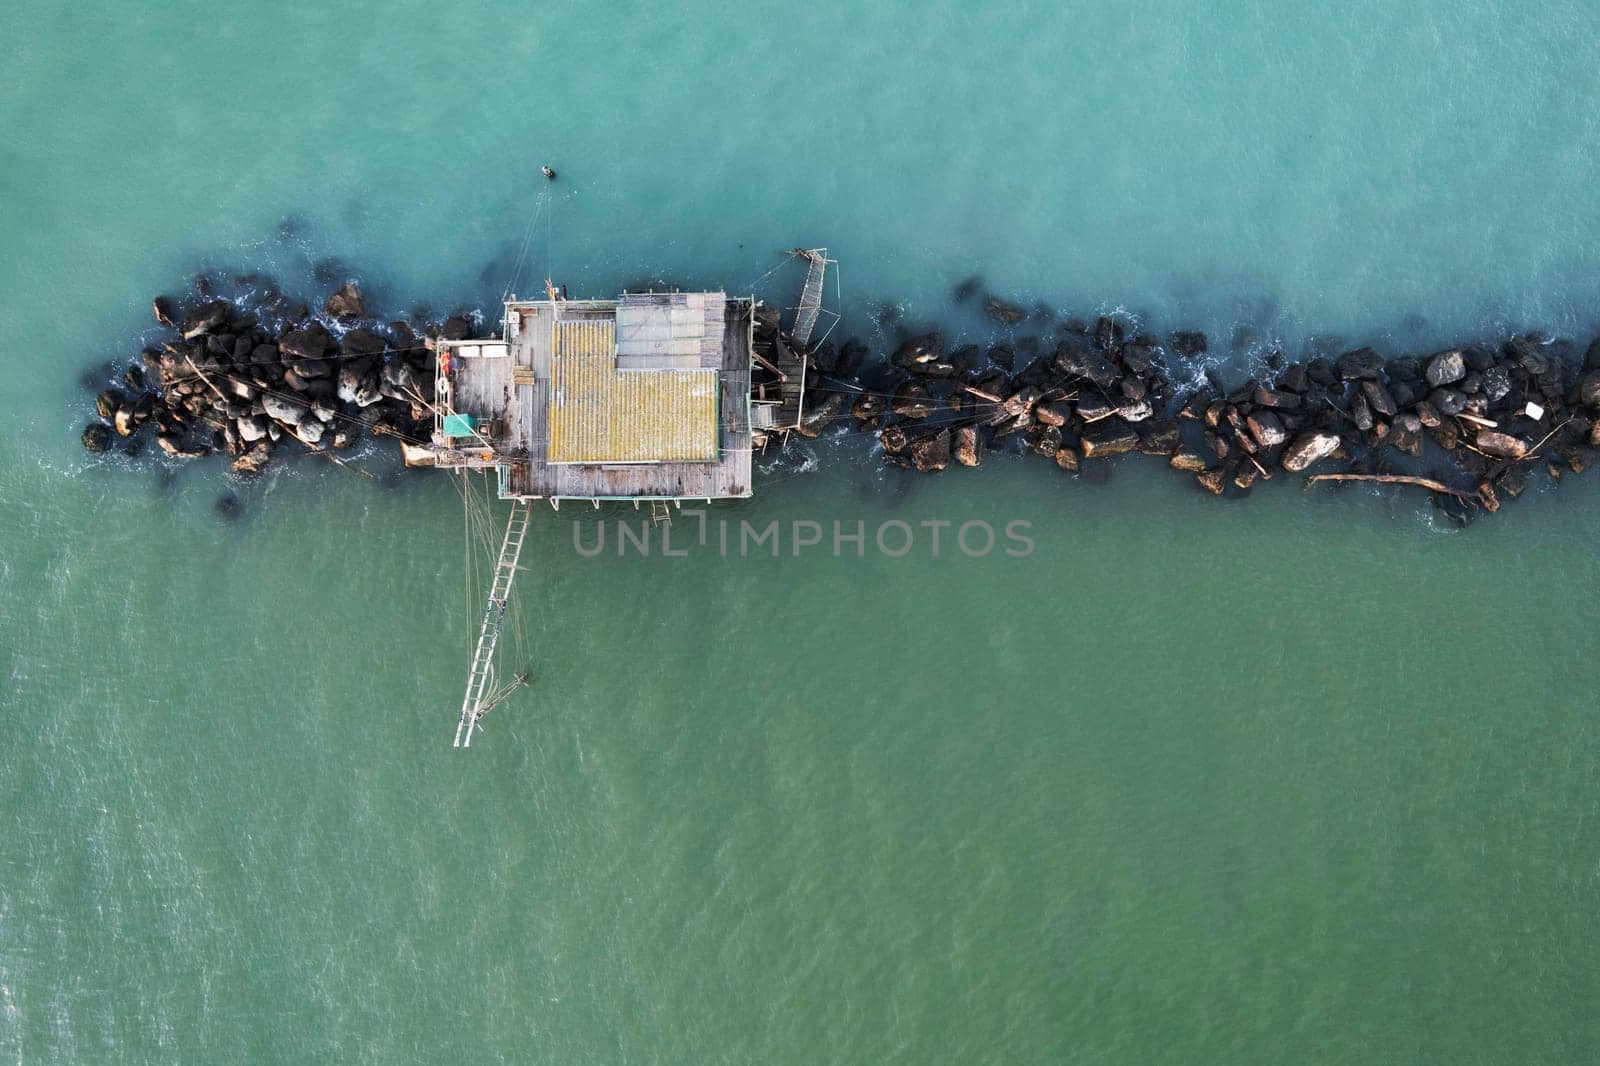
x: 1397, y: 479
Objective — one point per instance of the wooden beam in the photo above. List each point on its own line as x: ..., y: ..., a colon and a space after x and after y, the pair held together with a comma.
x: 1396, y: 479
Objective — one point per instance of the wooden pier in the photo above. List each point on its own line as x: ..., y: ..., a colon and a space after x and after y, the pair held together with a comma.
x: 642, y: 397
x: 651, y: 396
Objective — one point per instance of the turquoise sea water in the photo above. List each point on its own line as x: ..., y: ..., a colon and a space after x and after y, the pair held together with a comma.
x: 1305, y: 777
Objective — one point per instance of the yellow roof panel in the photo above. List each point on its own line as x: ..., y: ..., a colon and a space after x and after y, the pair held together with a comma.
x: 599, y: 414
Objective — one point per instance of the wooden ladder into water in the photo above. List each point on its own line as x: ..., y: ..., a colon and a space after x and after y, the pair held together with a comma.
x: 480, y: 695
x: 805, y: 318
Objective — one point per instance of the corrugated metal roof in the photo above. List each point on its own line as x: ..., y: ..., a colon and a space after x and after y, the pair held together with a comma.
x: 599, y: 414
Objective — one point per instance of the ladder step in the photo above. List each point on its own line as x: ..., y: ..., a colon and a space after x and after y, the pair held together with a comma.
x: 481, y: 671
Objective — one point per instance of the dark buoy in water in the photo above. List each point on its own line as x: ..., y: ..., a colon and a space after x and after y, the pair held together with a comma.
x: 547, y: 172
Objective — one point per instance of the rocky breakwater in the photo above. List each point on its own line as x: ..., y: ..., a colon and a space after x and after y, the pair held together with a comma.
x: 225, y: 381
x: 1470, y: 425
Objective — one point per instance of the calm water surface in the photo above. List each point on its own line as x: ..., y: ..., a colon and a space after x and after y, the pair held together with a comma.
x: 1306, y: 777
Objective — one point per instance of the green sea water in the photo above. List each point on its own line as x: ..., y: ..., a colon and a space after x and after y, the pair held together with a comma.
x: 1304, y: 777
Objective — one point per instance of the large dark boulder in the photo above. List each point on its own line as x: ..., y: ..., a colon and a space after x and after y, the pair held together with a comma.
x: 1282, y: 399
x: 1294, y: 379
x: 1448, y: 402
x: 1092, y: 407
x: 1109, y: 438
x: 1267, y: 428
x: 1075, y: 355
x: 107, y: 403
x: 1322, y: 372
x: 362, y: 343
x: 1525, y: 353
x: 1447, y: 368
x: 1138, y: 358
x: 1359, y: 364
x: 200, y: 320
x: 1360, y: 411
x: 1159, y: 437
x: 912, y: 400
x: 1496, y: 383
x: 310, y: 343
x: 1379, y: 398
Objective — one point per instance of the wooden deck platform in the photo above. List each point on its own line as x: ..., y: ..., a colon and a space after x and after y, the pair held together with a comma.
x: 702, y: 331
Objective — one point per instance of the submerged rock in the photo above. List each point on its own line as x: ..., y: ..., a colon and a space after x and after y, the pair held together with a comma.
x: 346, y: 303
x: 252, y: 461
x: 96, y: 437
x: 1189, y: 343
x: 1007, y: 314
x: 820, y: 416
